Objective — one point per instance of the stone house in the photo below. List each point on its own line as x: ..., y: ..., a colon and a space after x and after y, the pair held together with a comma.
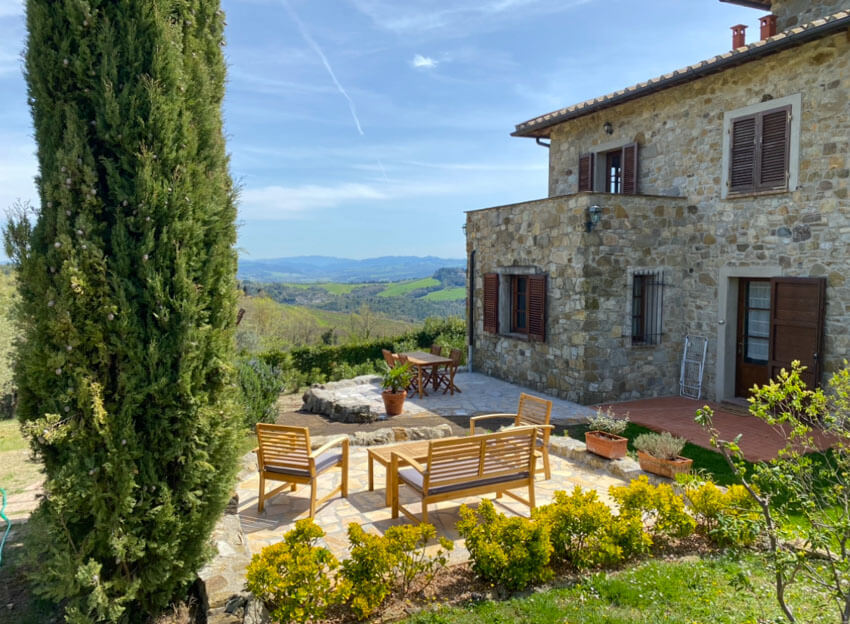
x: 711, y: 201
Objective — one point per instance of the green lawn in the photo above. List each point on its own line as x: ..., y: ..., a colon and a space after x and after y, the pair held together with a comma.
x: 17, y: 471
x: 447, y: 294
x: 400, y: 289
x: 723, y: 589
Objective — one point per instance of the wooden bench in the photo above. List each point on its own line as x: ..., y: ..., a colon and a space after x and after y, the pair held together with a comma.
x: 460, y: 467
x: 532, y: 411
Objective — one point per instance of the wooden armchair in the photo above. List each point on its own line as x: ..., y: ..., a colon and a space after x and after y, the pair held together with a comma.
x: 284, y: 455
x: 534, y: 411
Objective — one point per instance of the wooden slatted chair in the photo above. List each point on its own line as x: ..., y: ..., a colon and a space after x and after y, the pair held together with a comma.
x: 436, y: 349
x: 460, y: 467
x: 389, y: 357
x: 412, y: 387
x: 446, y: 376
x: 284, y: 455
x: 532, y: 410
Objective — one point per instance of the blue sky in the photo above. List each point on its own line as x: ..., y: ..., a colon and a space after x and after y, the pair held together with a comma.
x: 361, y: 128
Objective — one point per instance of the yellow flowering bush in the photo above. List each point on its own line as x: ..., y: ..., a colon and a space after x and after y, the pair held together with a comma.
x: 295, y: 578
x: 661, y: 510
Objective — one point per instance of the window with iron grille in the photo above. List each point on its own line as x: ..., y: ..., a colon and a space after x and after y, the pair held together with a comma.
x: 647, y: 307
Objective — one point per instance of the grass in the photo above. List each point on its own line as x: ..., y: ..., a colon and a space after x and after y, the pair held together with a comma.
x: 17, y: 471
x: 705, y: 460
x: 334, y: 288
x: 447, y: 294
x: 400, y: 289
x: 723, y: 589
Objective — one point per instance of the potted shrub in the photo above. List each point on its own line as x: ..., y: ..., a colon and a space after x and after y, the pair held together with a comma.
x: 658, y: 453
x: 394, y: 383
x: 604, y: 437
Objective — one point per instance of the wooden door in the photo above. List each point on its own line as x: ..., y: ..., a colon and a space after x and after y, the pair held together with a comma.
x: 796, y: 325
x: 753, y: 340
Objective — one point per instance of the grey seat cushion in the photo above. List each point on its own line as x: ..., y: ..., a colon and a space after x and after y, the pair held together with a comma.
x: 324, y: 462
x: 414, y: 479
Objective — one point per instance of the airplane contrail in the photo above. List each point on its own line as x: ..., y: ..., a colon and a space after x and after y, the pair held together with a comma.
x: 312, y: 43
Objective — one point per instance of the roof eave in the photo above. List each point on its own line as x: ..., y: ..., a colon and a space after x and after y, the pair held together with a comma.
x: 783, y: 41
x: 762, y: 5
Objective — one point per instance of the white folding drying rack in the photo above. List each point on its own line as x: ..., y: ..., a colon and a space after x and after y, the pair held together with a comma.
x: 693, y: 366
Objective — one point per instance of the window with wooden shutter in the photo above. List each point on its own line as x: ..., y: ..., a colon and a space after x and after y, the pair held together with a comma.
x: 629, y: 160
x: 491, y: 303
x: 759, y: 151
x: 585, y: 172
x: 537, y: 307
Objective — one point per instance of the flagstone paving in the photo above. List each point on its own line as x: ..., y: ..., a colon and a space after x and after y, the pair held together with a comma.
x: 479, y: 394
x: 368, y: 508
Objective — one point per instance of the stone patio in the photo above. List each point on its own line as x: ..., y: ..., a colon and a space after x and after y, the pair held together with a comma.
x: 480, y: 394
x: 368, y: 508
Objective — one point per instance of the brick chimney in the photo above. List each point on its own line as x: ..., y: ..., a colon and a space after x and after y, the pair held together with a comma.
x: 768, y: 26
x: 739, y: 36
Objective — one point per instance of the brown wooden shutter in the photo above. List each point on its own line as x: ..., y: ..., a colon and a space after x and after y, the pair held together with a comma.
x: 585, y: 172
x: 491, y: 303
x: 537, y: 307
x: 742, y: 156
x: 629, y: 161
x: 773, y: 155
x: 797, y: 307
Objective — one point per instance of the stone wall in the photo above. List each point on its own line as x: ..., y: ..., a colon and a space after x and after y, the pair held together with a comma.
x: 702, y: 241
x: 790, y: 13
x: 587, y: 356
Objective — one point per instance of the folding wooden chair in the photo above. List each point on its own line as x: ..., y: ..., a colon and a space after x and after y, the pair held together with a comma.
x: 446, y: 377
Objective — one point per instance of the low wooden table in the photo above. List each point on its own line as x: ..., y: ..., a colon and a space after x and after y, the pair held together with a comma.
x: 421, y: 360
x: 418, y: 450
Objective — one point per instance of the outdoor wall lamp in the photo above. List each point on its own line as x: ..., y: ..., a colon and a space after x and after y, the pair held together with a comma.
x: 608, y: 127
x: 594, y: 214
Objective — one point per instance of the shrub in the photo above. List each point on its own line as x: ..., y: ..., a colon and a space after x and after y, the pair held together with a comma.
x: 727, y: 518
x: 606, y: 421
x: 660, y: 445
x: 295, y: 577
x: 396, y: 560
x: 510, y: 552
x: 397, y: 378
x: 127, y: 287
x: 585, y: 533
x: 260, y: 386
x: 658, y: 506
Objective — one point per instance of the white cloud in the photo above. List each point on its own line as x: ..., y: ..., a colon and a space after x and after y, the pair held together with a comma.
x: 423, y: 62
x: 289, y: 202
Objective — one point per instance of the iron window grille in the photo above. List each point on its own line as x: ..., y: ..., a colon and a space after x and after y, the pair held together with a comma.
x: 647, y: 307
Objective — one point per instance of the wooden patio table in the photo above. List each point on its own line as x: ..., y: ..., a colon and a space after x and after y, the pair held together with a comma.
x: 418, y: 450
x: 421, y: 360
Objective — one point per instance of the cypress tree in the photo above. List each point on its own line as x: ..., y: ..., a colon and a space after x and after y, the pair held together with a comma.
x: 127, y: 281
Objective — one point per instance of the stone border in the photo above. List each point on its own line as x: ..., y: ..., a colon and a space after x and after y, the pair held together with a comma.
x: 576, y: 451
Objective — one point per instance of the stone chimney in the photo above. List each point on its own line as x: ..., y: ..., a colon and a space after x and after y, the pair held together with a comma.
x: 739, y: 36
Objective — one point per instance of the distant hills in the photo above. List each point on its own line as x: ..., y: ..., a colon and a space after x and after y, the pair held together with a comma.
x: 312, y: 269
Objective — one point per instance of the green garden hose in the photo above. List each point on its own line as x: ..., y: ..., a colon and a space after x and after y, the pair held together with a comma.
x: 8, y: 524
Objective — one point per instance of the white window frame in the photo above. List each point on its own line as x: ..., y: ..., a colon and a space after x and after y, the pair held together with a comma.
x: 795, y: 101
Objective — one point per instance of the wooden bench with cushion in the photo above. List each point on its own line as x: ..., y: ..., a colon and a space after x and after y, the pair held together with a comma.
x: 284, y: 455
x: 534, y: 411
x: 460, y: 467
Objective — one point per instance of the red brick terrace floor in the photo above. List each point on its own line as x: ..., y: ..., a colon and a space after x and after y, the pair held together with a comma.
x: 759, y: 441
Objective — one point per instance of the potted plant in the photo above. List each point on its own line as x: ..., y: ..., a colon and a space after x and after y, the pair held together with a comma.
x: 395, y: 383
x: 604, y: 437
x: 658, y: 453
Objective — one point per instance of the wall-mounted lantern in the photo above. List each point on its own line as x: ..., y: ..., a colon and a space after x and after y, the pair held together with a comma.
x: 594, y: 214
x: 608, y: 127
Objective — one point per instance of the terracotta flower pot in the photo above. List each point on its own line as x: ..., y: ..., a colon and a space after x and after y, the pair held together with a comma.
x: 665, y: 467
x: 606, y: 444
x: 393, y: 402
